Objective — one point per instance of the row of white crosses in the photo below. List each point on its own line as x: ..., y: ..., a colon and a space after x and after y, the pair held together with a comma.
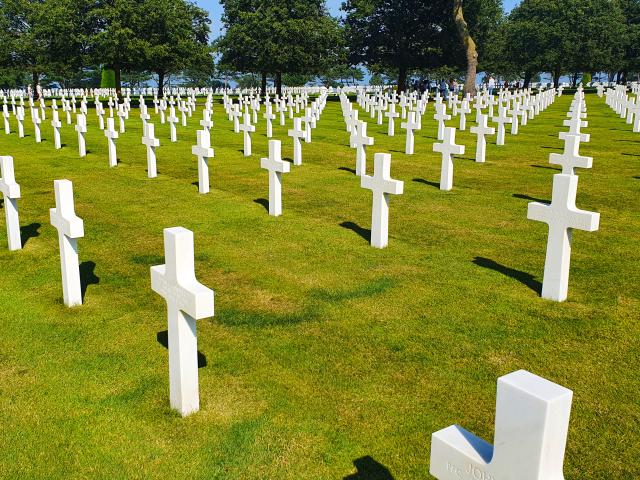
x: 562, y: 215
x: 625, y: 105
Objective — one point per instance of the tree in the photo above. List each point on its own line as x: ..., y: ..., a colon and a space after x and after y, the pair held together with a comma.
x: 118, y: 40
x: 564, y: 36
x: 630, y: 39
x: 175, y: 38
x: 43, y: 36
x: 409, y: 35
x: 278, y: 37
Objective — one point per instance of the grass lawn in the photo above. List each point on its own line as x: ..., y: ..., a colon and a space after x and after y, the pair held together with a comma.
x: 326, y: 359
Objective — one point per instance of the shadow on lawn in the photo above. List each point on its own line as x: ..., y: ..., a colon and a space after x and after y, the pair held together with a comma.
x: 523, y: 277
x: 546, y: 168
x: 29, y: 231
x: 426, y: 182
x: 262, y: 201
x: 363, y: 232
x: 87, y: 277
x: 527, y: 197
x: 345, y: 169
x: 163, y: 339
x: 369, y: 469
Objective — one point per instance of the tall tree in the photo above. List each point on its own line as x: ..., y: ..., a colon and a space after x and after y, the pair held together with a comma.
x: 118, y: 41
x: 277, y: 37
x: 403, y: 36
x: 43, y: 36
x: 564, y: 36
x: 176, y: 36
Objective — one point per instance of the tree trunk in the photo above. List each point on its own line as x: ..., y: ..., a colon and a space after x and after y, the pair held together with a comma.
x: 556, y: 77
x: 527, y: 79
x: 624, y: 77
x: 35, y: 79
x: 116, y: 69
x: 402, y: 79
x: 263, y: 84
x: 160, y: 84
x: 619, y: 77
x: 279, y: 84
x: 469, y: 47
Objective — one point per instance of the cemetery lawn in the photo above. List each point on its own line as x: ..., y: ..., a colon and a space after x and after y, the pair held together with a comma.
x: 326, y: 359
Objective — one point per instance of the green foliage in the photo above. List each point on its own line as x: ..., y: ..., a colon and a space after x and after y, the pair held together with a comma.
x: 563, y: 36
x: 272, y: 36
x: 409, y: 35
x: 175, y: 37
x: 108, y: 78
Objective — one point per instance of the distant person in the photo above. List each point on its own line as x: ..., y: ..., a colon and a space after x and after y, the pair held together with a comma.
x: 29, y: 91
x: 444, y: 89
x: 491, y: 84
x: 38, y: 91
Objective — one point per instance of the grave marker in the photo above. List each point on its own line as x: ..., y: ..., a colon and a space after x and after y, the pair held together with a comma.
x: 70, y: 227
x: 187, y: 301
x: 382, y: 185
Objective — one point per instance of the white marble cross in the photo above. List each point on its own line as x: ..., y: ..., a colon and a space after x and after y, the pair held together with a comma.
x: 481, y: 130
x: 36, y: 125
x: 297, y: 133
x: 56, y: 124
x: 172, y: 119
x: 448, y: 148
x: 152, y: 143
x: 20, y: 119
x: 360, y: 141
x: 391, y: 114
x: 70, y: 227
x: 501, y: 119
x: 441, y: 116
x: 121, y: 116
x: 571, y: 158
x: 206, y: 122
x: 531, y: 426
x: 111, y: 135
x: 187, y: 301
x: 5, y: 116
x: 464, y: 109
x: 204, y: 152
x: 269, y: 117
x: 382, y: 185
x: 352, y: 121
x: 81, y: 128
x: 562, y: 216
x: 11, y: 192
x: 247, y: 129
x: 575, y: 126
x: 410, y: 126
x: 276, y: 167
x: 308, y: 119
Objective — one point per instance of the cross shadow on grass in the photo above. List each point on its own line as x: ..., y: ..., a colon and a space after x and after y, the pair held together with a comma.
x: 262, y: 201
x: 87, y: 277
x: 527, y: 197
x: 363, y: 232
x: 523, y: 277
x: 29, y: 231
x: 345, y: 169
x: 546, y: 167
x: 427, y: 182
x: 163, y: 339
x: 369, y: 469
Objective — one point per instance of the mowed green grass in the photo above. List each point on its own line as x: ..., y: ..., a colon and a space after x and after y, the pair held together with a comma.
x: 326, y: 359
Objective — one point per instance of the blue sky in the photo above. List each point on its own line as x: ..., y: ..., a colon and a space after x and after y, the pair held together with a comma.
x: 213, y: 6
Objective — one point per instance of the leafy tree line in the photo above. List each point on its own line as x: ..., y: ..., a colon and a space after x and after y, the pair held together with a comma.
x: 66, y: 39
x: 568, y: 37
x: 294, y: 42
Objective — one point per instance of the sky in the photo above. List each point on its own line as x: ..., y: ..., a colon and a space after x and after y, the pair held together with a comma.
x: 215, y: 11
